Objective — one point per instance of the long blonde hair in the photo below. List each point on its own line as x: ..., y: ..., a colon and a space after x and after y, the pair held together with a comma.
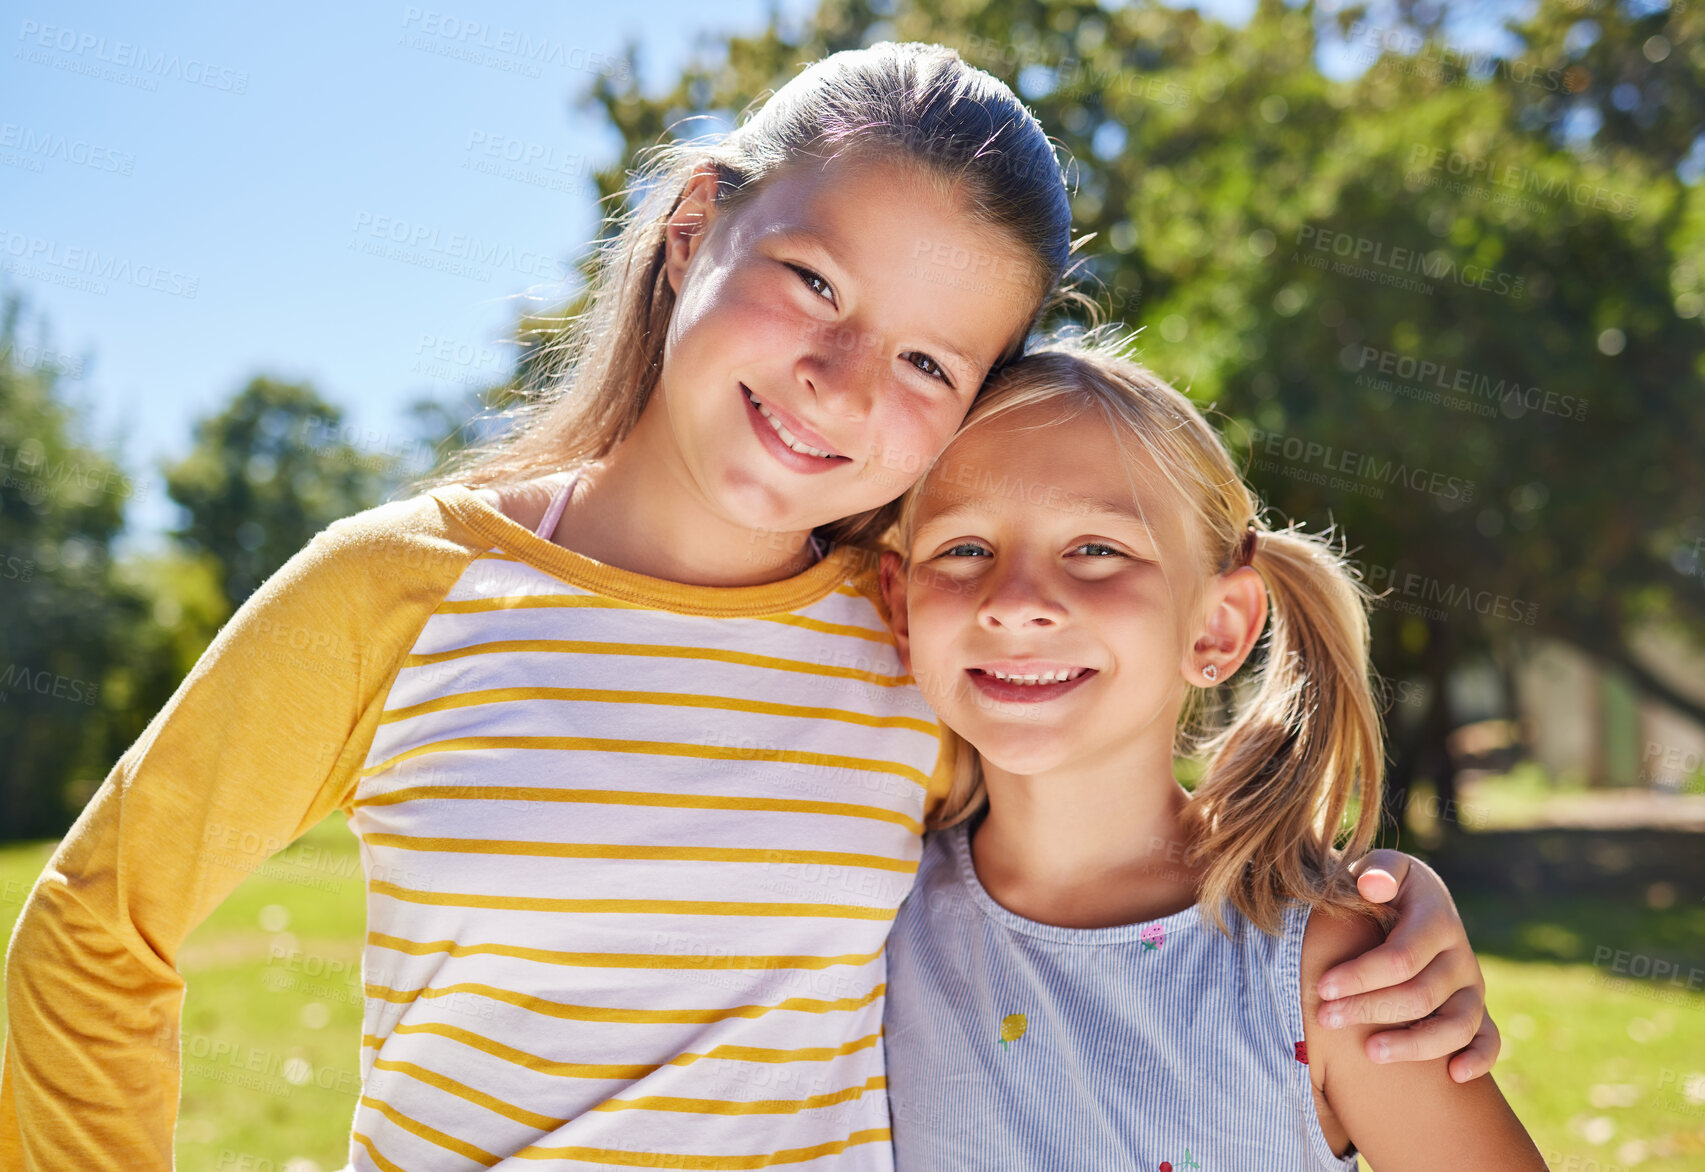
x: 1290, y: 787
x: 913, y: 102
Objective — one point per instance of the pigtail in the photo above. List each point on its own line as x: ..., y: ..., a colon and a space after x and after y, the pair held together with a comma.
x: 1291, y: 789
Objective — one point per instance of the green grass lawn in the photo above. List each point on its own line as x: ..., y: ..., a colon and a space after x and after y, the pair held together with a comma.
x: 272, y: 1019
x: 1606, y: 1069
x: 1603, y: 1077
x: 1606, y: 1072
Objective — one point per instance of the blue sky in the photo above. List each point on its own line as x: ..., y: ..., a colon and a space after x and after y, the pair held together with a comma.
x: 291, y: 192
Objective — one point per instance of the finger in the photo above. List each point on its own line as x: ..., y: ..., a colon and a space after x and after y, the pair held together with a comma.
x: 1377, y: 886
x: 1482, y: 1052
x: 1452, y: 1028
x: 1380, y: 874
x: 1403, y: 956
x: 1426, y: 926
x: 1427, y: 929
x: 1408, y: 1001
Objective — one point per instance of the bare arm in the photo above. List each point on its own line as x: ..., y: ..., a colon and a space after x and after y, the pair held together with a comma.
x: 1426, y: 964
x: 1403, y: 1116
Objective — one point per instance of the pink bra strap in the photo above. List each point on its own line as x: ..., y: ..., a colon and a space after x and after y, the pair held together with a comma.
x: 554, y: 513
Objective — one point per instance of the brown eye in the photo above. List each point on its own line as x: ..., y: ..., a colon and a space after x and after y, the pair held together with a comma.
x: 929, y: 366
x: 821, y: 287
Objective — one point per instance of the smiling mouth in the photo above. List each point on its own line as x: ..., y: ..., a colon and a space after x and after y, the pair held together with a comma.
x: 1056, y: 676
x: 783, y: 434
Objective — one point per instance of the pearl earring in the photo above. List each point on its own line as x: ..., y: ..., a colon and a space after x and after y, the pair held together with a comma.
x: 1212, y: 672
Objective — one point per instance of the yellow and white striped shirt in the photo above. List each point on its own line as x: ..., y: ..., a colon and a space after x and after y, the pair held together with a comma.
x: 632, y: 850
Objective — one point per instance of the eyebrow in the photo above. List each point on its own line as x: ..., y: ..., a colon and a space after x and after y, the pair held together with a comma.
x: 1094, y: 507
x: 810, y: 235
x: 801, y: 232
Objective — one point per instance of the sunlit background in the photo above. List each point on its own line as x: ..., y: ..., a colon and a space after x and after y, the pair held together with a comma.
x: 1440, y: 272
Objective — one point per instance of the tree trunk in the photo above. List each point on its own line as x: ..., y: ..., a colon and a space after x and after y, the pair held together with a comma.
x: 1507, y: 657
x: 1436, y: 757
x: 1423, y: 752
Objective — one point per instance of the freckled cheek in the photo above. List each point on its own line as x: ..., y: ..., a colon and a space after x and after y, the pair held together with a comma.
x: 784, y: 318
x: 742, y: 319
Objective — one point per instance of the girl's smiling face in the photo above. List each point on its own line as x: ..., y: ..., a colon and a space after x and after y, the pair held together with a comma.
x: 828, y: 337
x: 1035, y: 555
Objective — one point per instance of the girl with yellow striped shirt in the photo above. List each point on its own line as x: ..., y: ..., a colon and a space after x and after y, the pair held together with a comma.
x: 613, y: 706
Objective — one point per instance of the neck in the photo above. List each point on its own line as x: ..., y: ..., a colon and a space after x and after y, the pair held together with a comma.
x: 638, y: 510
x: 1088, y: 846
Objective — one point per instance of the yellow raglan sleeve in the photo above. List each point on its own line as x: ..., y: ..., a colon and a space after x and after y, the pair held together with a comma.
x: 263, y: 738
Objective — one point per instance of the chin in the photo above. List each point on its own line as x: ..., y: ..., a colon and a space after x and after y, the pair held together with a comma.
x: 1024, y: 752
x: 761, y: 497
x: 754, y: 505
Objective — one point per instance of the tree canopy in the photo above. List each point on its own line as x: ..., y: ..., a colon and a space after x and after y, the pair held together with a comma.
x: 1448, y: 300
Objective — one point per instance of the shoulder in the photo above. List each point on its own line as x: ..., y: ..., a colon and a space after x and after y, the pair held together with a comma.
x: 937, y: 864
x: 1333, y: 936
x: 938, y: 851
x: 314, y: 643
x: 1384, y: 1108
x: 523, y: 502
x: 938, y: 896
x: 413, y: 535
x: 363, y: 580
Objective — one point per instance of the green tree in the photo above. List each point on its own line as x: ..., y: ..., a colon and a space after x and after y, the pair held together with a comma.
x: 1516, y: 221
x: 63, y: 614
x: 268, y: 472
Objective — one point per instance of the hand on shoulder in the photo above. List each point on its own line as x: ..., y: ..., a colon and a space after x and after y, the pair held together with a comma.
x: 1400, y: 1115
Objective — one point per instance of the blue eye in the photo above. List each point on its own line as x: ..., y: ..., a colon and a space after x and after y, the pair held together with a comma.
x: 1107, y: 549
x: 962, y: 548
x: 808, y: 277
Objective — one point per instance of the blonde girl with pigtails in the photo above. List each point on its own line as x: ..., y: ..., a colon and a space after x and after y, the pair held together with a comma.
x: 613, y: 706
x: 1098, y: 968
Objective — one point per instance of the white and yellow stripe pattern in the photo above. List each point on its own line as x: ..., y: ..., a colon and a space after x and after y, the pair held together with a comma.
x: 633, y: 850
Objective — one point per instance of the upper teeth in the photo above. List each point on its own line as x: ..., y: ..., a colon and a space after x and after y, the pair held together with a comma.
x: 1047, y: 677
x: 788, y: 438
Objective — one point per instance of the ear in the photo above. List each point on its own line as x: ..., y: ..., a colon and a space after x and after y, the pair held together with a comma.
x: 893, y: 579
x: 1234, y: 610
x: 685, y: 229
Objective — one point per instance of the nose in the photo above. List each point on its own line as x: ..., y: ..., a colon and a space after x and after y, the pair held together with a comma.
x: 1017, y: 597
x: 840, y: 371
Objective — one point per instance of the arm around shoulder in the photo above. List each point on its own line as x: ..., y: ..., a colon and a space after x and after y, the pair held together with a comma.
x: 261, y: 740
x: 1400, y: 1115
